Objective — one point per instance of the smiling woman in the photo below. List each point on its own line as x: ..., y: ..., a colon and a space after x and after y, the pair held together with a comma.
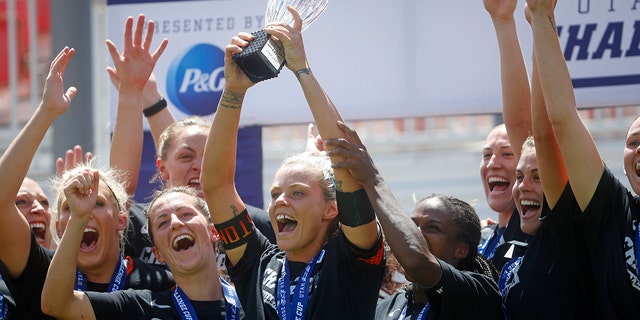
x: 324, y: 264
x: 183, y: 236
x: 34, y: 205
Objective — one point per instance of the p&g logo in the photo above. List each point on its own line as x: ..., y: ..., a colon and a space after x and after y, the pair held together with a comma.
x: 195, y: 79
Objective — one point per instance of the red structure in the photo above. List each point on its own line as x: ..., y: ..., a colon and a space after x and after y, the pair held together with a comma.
x: 22, y: 36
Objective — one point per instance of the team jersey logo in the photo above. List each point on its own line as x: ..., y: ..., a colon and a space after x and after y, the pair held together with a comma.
x: 195, y: 79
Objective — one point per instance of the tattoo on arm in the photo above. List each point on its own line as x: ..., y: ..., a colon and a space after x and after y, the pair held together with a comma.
x: 553, y: 24
x: 231, y: 100
x: 301, y: 71
x: 234, y: 210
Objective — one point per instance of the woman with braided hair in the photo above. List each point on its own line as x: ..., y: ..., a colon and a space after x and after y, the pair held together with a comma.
x: 440, y: 256
x: 451, y: 228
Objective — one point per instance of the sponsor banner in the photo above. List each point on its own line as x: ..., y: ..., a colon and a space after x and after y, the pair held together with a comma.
x: 387, y: 59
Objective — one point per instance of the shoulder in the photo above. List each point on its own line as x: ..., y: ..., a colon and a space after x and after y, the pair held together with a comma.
x: 141, y: 275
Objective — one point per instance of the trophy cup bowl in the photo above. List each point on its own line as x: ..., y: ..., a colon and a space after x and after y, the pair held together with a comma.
x: 264, y: 57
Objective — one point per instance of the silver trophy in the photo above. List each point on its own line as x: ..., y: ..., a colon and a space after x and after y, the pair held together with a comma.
x: 263, y: 58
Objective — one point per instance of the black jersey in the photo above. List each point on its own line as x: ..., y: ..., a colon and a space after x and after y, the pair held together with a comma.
x: 610, y: 223
x: 511, y: 242
x: 137, y: 242
x: 457, y: 295
x: 27, y: 288
x: 554, y: 278
x: 463, y: 295
x: 344, y: 285
x: 145, y: 304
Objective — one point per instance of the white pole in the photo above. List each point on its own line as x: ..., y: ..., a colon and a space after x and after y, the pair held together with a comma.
x: 34, y: 78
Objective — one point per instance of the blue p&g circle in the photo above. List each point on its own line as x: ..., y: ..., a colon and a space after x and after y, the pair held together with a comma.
x: 195, y: 79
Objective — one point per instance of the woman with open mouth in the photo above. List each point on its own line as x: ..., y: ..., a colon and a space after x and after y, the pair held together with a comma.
x: 609, y: 214
x: 553, y: 277
x: 329, y: 247
x: 101, y: 265
x: 181, y: 229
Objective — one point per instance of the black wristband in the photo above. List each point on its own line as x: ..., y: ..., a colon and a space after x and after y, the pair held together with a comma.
x: 354, y: 208
x: 235, y: 232
x: 157, y: 107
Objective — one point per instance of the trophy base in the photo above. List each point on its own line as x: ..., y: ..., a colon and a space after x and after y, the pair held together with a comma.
x: 262, y: 59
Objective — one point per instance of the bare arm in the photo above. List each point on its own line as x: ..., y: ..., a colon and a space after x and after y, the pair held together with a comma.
x: 150, y: 96
x: 401, y: 233
x: 516, y: 101
x: 58, y: 296
x: 219, y: 160
x: 134, y: 66
x: 581, y: 157
x: 15, y: 233
x: 325, y: 115
x: 553, y: 174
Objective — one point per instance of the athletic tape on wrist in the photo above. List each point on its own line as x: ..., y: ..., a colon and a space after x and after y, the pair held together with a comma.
x: 235, y: 232
x: 354, y: 208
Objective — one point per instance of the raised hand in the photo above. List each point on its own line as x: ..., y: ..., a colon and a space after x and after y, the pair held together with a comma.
x: 291, y: 38
x: 545, y: 5
x: 54, y: 96
x: 500, y: 9
x: 355, y: 157
x: 135, y: 64
x: 82, y: 192
x: 150, y: 92
x: 314, y: 141
x: 235, y: 79
x: 72, y: 158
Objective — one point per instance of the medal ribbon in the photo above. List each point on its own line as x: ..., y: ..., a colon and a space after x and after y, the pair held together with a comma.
x: 637, y: 248
x: 297, y: 309
x: 118, y: 279
x: 421, y: 316
x: 185, y: 308
x: 505, y: 276
x: 488, y: 249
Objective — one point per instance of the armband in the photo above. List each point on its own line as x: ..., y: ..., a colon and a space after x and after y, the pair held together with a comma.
x: 235, y: 232
x: 354, y: 208
x: 157, y: 107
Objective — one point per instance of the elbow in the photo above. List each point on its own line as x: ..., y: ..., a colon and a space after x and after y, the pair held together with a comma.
x: 51, y: 306
x: 48, y: 308
x: 425, y: 270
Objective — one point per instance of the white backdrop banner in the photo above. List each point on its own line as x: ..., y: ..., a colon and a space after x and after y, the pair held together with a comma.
x: 385, y: 58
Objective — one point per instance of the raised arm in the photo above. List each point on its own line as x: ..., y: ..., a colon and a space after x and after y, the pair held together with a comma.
x: 72, y: 158
x: 325, y: 115
x: 15, y: 234
x: 58, y: 296
x: 516, y: 101
x: 401, y: 233
x: 579, y: 151
x: 219, y: 160
x: 152, y: 99
x: 134, y: 66
x: 553, y: 174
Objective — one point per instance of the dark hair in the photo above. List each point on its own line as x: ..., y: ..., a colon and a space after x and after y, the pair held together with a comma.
x: 468, y: 225
x: 187, y: 191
